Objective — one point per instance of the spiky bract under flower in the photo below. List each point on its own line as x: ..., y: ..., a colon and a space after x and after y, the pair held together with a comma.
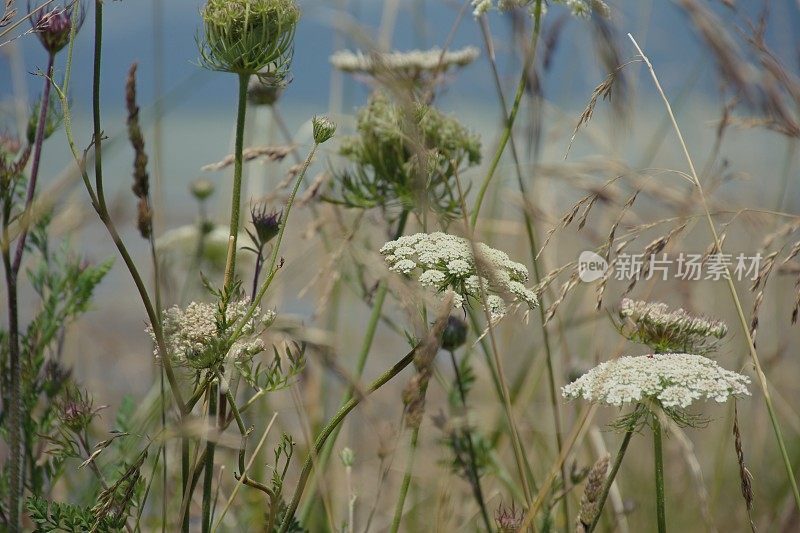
x: 253, y: 37
x: 406, y: 155
x: 667, y: 330
x: 446, y: 262
x: 673, y: 380
x: 198, y: 336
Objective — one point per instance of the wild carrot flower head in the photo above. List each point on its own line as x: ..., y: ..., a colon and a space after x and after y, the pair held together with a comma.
x: 674, y: 380
x: 253, y: 37
x: 198, y: 337
x: 53, y: 22
x: 579, y: 8
x: 446, y: 262
x: 665, y: 330
x: 405, y: 155
x: 413, y: 69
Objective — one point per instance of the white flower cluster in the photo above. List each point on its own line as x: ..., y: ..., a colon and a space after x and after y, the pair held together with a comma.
x: 446, y: 262
x: 414, y: 61
x: 658, y: 315
x: 191, y: 332
x: 675, y: 380
x: 579, y: 8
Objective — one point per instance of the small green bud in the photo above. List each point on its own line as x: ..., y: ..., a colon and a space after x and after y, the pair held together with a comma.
x: 324, y: 129
x: 202, y: 189
x: 455, y: 334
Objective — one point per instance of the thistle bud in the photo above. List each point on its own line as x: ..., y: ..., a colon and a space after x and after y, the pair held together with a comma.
x: 267, y: 224
x: 249, y: 36
x: 324, y: 129
x: 53, y: 23
x: 455, y: 334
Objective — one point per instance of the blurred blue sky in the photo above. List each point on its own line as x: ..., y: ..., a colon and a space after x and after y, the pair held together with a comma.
x: 130, y: 36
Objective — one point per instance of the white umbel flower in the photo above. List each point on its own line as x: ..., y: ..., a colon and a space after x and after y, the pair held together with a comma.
x: 446, y: 262
x: 675, y: 380
x: 659, y: 316
x: 579, y: 8
x: 411, y: 62
x: 191, y: 334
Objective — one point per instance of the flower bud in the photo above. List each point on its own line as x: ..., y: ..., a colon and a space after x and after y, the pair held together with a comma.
x: 249, y: 36
x: 455, y: 334
x: 324, y: 129
x: 53, y: 24
x: 267, y: 224
x: 202, y: 189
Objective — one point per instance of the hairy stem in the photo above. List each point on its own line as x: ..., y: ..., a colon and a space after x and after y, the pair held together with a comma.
x: 209, y: 466
x: 236, y: 195
x: 659, y: 466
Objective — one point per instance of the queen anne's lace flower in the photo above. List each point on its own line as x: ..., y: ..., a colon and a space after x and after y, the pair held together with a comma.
x: 193, y: 338
x: 579, y: 8
x: 446, y: 262
x: 675, y: 380
x: 658, y: 315
x: 414, y: 61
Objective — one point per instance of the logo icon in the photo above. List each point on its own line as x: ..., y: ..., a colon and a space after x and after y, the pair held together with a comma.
x: 591, y: 266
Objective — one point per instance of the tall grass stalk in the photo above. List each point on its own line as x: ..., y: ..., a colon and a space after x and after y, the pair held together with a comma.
x: 762, y: 378
x: 527, y: 68
x: 530, y: 232
x: 326, y: 432
x: 361, y: 362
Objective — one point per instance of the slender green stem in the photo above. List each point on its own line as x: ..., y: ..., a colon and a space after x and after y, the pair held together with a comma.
x: 473, y: 462
x: 401, y: 498
x: 210, y: 448
x: 12, y: 274
x: 236, y: 195
x: 326, y: 432
x: 512, y: 115
x: 531, y: 234
x: 610, y: 479
x: 276, y: 249
x: 366, y: 345
x: 659, y: 464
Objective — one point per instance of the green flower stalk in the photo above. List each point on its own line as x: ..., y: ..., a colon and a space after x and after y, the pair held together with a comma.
x: 246, y: 37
